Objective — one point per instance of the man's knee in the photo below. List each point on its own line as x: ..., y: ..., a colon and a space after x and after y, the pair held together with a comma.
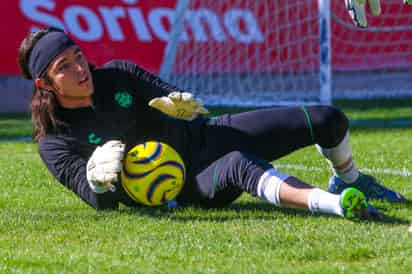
x: 330, y: 125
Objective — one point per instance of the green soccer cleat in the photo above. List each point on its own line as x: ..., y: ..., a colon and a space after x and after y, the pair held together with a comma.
x: 355, y: 205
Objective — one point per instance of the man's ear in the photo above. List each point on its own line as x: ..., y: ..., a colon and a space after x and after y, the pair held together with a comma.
x: 41, y: 83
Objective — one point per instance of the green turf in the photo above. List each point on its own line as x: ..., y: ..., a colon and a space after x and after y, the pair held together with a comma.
x: 45, y: 228
x: 14, y: 125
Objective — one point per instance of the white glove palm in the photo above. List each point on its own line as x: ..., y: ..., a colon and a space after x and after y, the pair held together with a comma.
x: 104, y: 165
x: 180, y: 105
x: 357, y: 10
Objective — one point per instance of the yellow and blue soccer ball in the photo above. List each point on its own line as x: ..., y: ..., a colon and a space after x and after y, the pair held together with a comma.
x: 153, y: 173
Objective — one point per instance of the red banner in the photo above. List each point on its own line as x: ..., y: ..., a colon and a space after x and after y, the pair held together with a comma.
x: 137, y: 30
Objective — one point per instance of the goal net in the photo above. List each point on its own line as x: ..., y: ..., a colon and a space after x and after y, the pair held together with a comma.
x: 277, y: 52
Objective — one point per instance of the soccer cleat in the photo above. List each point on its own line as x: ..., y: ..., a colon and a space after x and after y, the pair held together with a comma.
x: 368, y: 185
x: 355, y: 206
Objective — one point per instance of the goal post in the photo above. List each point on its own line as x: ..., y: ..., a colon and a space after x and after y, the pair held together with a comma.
x: 175, y: 32
x: 325, y: 53
x: 276, y: 52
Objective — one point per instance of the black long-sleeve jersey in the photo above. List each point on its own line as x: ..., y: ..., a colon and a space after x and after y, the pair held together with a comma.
x: 122, y: 91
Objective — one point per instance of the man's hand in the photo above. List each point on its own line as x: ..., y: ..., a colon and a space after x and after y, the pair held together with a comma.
x: 180, y: 105
x: 357, y: 10
x: 104, y: 165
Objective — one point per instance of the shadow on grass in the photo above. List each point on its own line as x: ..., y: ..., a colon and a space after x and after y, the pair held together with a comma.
x: 405, y: 204
x: 380, y: 124
x: 249, y: 210
x: 365, y: 105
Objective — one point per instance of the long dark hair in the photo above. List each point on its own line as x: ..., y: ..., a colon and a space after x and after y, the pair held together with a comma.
x: 43, y: 102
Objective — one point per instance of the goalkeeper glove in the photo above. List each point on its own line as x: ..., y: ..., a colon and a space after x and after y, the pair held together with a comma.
x: 357, y: 10
x: 181, y: 105
x: 104, y: 165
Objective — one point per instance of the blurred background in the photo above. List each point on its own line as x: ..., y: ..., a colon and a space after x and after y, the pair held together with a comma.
x: 236, y: 52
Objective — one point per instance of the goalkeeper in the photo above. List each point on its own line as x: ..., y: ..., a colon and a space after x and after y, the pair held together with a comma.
x: 83, y: 116
x: 357, y: 10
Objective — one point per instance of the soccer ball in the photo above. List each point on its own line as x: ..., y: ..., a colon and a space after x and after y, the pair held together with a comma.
x: 153, y: 173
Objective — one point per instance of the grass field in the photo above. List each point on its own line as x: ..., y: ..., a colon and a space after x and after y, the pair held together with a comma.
x: 44, y: 228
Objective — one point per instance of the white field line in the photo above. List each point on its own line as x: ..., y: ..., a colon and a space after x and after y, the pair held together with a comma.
x: 374, y: 170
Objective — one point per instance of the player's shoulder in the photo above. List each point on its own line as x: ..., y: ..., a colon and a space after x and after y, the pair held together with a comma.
x: 118, y: 71
x: 120, y: 65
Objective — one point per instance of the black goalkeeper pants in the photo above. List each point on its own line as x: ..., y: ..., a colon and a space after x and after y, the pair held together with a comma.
x: 237, y: 149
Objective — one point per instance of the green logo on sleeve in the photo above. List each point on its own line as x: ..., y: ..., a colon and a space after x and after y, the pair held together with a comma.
x: 123, y: 98
x: 93, y: 139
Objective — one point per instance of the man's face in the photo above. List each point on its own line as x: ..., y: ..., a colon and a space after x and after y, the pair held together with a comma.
x: 71, y: 78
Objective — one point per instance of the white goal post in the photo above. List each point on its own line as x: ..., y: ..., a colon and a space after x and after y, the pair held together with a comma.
x: 278, y: 52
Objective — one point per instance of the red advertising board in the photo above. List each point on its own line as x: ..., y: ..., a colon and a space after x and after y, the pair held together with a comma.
x: 137, y: 30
